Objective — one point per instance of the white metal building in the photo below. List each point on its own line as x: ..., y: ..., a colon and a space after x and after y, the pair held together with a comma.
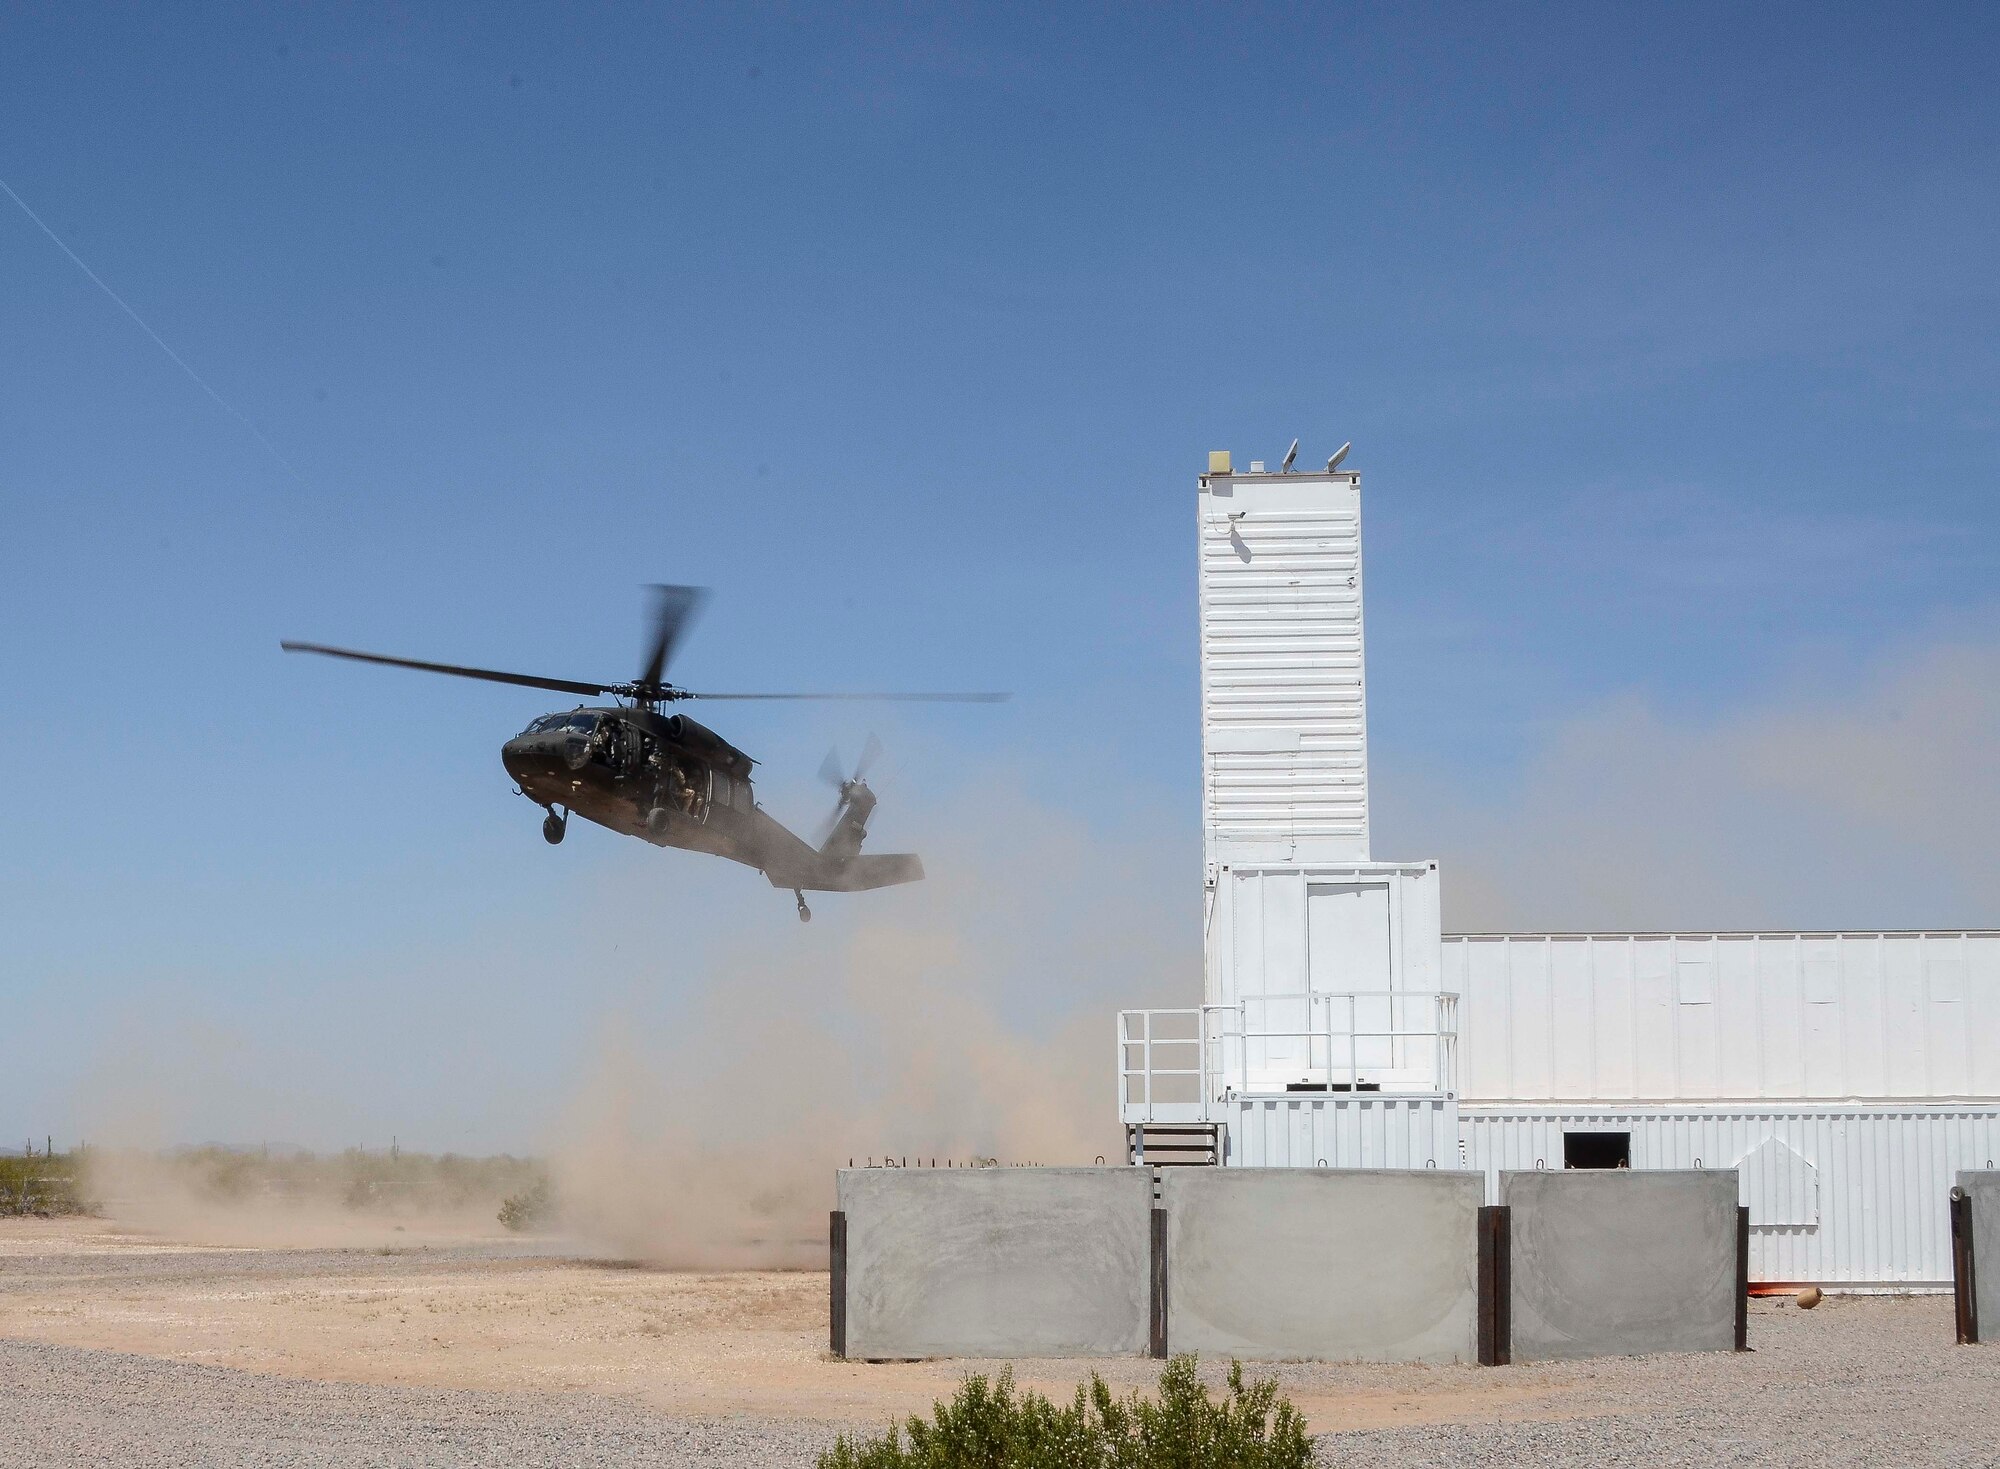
x: 1846, y: 1075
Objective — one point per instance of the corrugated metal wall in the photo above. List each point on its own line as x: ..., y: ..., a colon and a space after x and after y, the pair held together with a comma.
x: 1838, y: 1195
x: 1727, y: 1017
x: 1353, y: 1131
x: 1284, y: 721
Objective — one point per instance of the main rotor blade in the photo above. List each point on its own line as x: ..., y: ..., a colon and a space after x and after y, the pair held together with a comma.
x: 559, y: 685
x: 894, y: 698
x: 674, y: 610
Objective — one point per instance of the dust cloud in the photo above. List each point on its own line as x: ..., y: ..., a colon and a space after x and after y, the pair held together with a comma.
x: 143, y: 1171
x: 255, y: 1198
x: 967, y: 1019
x: 1866, y: 803
x: 725, y: 1074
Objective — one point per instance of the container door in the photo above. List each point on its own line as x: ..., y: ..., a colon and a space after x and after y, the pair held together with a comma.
x: 1278, y: 1050
x: 1347, y: 951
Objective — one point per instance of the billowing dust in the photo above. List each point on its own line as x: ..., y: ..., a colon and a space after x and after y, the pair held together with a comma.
x: 966, y: 1019
x: 686, y: 1153
x: 255, y: 1198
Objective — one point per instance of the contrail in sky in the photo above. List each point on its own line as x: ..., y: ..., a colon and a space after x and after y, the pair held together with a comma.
x: 158, y: 340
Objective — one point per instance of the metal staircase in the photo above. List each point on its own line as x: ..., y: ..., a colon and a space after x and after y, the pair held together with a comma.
x: 1175, y: 1144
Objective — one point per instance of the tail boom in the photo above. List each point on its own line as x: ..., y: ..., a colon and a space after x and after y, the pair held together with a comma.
x: 787, y: 862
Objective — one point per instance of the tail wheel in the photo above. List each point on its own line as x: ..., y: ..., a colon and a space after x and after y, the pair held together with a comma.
x: 805, y: 913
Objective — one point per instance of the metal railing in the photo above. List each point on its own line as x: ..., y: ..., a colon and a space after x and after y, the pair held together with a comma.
x: 1173, y: 1063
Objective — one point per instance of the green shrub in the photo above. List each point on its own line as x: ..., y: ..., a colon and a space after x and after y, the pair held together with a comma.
x: 38, y: 1183
x: 986, y: 1426
x: 530, y: 1209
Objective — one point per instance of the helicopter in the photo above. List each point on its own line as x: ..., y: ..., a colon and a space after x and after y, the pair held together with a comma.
x: 667, y: 780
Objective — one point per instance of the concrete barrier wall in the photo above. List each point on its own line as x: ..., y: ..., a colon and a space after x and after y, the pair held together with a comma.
x: 1324, y: 1264
x: 997, y: 1262
x: 1983, y: 1189
x: 1621, y: 1261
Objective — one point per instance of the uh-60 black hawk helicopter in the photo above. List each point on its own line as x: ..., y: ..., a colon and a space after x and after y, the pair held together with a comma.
x: 667, y: 780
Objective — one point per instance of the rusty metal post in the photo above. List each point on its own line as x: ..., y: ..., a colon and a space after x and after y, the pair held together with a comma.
x: 1496, y: 1287
x: 836, y: 1251
x: 1964, y: 1280
x: 1742, y: 1279
x: 1157, y: 1318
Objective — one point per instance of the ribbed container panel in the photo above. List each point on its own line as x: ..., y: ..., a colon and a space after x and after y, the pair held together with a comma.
x: 1341, y: 1131
x: 1727, y: 1016
x: 1283, y: 693
x: 1840, y: 1196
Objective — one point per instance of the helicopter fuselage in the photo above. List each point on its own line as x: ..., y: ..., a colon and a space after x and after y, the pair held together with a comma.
x: 670, y: 781
x: 660, y: 777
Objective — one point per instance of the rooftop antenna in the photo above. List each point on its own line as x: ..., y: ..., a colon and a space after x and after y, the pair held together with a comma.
x: 1290, y: 454
x: 1338, y: 455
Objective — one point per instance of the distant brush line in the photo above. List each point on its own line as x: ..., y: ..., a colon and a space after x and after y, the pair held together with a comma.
x: 158, y: 340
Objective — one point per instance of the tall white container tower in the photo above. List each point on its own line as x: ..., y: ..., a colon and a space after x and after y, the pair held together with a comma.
x: 1322, y: 1036
x: 1844, y: 1074
x: 1304, y: 927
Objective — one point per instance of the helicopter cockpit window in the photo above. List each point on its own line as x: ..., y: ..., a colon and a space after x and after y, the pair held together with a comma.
x: 550, y: 723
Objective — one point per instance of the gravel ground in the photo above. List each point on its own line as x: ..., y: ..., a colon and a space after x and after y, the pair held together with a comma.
x: 1860, y: 1381
x: 132, y: 1345
x: 64, y: 1406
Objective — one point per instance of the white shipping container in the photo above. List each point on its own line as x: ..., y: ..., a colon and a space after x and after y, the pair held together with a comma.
x: 1727, y: 1016
x: 1283, y: 708
x: 1838, y: 1195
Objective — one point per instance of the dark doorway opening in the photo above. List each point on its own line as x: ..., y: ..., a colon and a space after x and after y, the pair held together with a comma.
x: 1597, y: 1150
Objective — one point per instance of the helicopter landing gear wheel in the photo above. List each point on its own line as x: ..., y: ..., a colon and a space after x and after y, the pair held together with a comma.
x: 554, y: 827
x: 805, y: 913
x: 659, y: 821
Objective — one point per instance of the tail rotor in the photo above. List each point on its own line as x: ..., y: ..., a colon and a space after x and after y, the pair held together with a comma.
x: 840, y: 836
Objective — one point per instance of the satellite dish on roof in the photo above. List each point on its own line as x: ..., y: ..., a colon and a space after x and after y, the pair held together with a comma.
x: 1338, y: 455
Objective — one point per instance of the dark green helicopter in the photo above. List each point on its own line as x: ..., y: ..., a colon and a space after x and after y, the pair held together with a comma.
x: 672, y: 782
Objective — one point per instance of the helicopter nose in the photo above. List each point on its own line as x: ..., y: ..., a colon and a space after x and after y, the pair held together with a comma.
x: 529, y: 757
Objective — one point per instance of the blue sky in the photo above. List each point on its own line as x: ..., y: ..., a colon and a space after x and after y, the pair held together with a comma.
x: 1668, y: 338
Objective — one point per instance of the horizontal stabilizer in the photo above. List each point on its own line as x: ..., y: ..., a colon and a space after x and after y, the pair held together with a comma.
x: 859, y: 874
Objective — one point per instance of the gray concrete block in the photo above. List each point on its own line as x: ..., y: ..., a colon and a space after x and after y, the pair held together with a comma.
x: 1337, y: 1265
x: 1983, y: 1188
x: 998, y: 1262
x: 1620, y: 1262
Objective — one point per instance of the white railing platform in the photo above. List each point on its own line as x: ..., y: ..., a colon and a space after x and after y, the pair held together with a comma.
x: 1175, y: 1065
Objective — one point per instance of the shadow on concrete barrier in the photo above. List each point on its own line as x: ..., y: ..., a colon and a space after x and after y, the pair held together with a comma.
x: 1975, y: 1256
x: 996, y: 1262
x: 1620, y: 1262
x: 1319, y: 1264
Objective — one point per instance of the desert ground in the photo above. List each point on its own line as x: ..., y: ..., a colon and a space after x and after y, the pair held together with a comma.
x: 125, y: 1346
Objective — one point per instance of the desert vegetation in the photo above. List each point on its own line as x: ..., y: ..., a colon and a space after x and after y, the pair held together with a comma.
x: 986, y: 1425
x: 43, y: 1183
